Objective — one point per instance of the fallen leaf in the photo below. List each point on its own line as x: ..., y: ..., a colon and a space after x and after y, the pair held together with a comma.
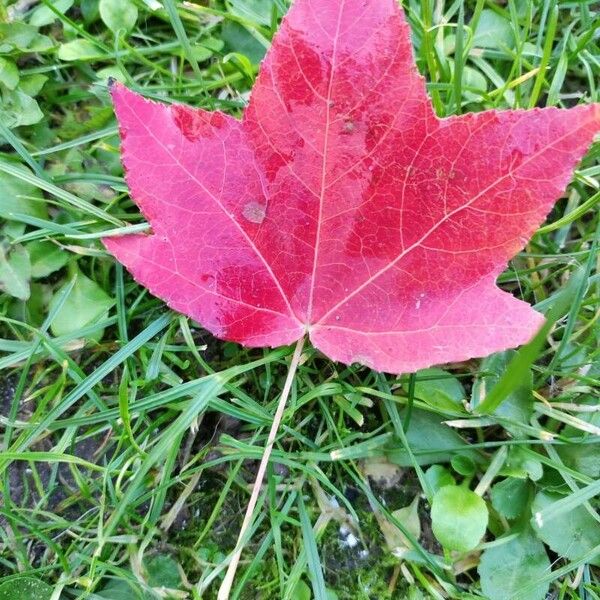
x: 397, y: 542
x: 341, y: 206
x: 382, y: 472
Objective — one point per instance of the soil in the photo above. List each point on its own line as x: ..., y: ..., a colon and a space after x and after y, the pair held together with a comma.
x: 56, y: 480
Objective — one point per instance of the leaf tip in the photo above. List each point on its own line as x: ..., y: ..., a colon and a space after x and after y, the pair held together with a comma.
x: 117, y: 90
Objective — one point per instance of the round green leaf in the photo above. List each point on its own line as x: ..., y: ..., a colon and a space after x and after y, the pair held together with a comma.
x: 25, y: 588
x: 206, y: 48
x: 112, y: 72
x: 32, y: 84
x: 19, y: 196
x: 9, y: 73
x: 521, y: 465
x: 17, y: 36
x: 42, y: 15
x: 163, y: 571
x: 459, y: 518
x: 584, y: 458
x: 438, y: 477
x: 121, y: 589
x: 86, y: 303
x: 301, y: 591
x: 257, y: 11
x: 118, y: 15
x: 511, y: 570
x: 19, y: 109
x: 473, y: 79
x: 463, y: 465
x: 46, y: 258
x: 439, y: 389
x: 15, y: 272
x: 79, y: 50
x: 33, y: 310
x: 431, y: 440
x: 518, y: 405
x: 493, y: 31
x: 510, y: 496
x: 89, y: 10
x: 239, y: 39
x: 571, y: 533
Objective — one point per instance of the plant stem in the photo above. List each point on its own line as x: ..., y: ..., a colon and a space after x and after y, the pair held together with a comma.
x: 225, y: 588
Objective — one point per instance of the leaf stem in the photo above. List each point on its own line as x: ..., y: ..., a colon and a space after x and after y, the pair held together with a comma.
x: 225, y: 589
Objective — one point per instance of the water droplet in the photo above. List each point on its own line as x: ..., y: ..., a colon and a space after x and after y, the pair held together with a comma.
x: 255, y: 212
x: 348, y: 127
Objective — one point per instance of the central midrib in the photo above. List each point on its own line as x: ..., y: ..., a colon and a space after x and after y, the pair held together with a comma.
x: 324, y: 165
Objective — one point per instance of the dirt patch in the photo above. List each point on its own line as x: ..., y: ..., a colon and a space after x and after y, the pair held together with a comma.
x: 42, y: 485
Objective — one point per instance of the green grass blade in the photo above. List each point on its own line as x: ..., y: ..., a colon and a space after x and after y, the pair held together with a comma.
x: 520, y: 365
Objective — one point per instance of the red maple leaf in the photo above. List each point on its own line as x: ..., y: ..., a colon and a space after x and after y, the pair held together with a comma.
x: 340, y: 206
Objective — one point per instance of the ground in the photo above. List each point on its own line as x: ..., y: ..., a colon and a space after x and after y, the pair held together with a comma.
x: 126, y: 465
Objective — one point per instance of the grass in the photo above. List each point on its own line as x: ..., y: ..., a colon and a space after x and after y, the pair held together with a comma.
x: 131, y: 436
